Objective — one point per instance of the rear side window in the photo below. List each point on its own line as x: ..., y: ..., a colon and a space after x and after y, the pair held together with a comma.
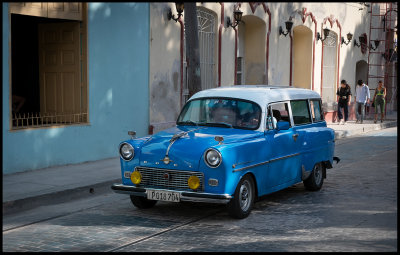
x: 300, y: 112
x: 316, y: 112
x: 277, y: 112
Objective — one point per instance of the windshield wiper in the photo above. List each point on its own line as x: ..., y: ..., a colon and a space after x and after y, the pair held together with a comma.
x: 187, y: 122
x: 218, y: 124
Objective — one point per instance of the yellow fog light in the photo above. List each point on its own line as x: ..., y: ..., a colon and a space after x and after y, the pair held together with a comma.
x: 193, y: 182
x: 136, y: 177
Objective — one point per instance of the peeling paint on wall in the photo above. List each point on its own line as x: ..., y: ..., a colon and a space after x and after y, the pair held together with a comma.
x: 255, y: 73
x: 165, y: 97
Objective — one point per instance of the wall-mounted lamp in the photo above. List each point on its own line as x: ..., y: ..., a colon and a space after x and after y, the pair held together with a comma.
x: 390, y: 55
x: 288, y: 25
x: 349, y: 37
x: 376, y: 42
x: 179, y: 9
x: 361, y: 39
x: 326, y: 34
x: 237, y: 15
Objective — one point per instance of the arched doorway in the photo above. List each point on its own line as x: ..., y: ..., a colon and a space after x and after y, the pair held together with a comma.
x: 361, y: 73
x: 251, y: 51
x: 302, y: 57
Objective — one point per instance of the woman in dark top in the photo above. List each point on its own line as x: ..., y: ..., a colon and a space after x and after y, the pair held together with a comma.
x: 344, y: 98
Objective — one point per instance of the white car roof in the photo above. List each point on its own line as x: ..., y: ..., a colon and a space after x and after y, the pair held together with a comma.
x: 261, y: 94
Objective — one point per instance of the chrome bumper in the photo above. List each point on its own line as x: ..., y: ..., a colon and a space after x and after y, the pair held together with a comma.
x: 185, y: 195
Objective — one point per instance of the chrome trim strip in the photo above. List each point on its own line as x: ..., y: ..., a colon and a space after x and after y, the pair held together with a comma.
x: 288, y: 156
x: 177, y: 136
x: 247, y: 167
x: 206, y: 200
x: 265, y: 162
x: 241, y: 163
x: 184, y: 195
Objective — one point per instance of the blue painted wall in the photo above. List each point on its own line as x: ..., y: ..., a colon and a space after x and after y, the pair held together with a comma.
x: 118, y: 78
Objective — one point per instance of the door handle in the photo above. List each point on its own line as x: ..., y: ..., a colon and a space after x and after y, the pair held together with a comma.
x: 295, y: 136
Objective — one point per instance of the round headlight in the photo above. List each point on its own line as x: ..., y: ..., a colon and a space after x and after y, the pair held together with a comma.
x: 213, y: 158
x: 126, y: 151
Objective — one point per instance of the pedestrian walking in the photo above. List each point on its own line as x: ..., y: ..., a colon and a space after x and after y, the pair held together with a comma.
x: 343, y: 99
x: 362, y: 98
x: 379, y: 100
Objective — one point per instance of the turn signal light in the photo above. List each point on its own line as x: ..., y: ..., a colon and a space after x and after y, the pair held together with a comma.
x: 193, y: 182
x: 136, y: 177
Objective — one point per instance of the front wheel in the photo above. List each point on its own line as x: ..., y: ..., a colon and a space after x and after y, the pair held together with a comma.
x: 142, y: 202
x: 315, y: 180
x: 242, y: 202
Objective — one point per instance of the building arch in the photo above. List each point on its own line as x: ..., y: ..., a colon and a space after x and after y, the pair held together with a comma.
x: 302, y: 57
x: 330, y: 60
x: 251, y: 51
x: 361, y: 73
x: 329, y: 68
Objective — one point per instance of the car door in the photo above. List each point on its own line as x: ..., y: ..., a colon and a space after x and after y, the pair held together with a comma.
x: 284, y: 159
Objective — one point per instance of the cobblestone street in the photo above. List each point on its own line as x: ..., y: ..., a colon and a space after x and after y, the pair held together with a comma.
x: 356, y: 210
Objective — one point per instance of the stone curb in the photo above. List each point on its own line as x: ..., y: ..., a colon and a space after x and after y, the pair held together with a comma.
x: 57, y: 197
x: 339, y: 134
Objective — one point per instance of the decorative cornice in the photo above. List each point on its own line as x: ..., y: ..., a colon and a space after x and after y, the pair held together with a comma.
x: 305, y: 14
x: 332, y: 20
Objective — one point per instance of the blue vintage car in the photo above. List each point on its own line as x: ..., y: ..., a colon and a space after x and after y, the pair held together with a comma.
x: 231, y: 145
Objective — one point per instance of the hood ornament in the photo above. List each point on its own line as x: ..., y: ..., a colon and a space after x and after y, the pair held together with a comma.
x: 219, y: 139
x: 166, y: 160
x: 175, y: 137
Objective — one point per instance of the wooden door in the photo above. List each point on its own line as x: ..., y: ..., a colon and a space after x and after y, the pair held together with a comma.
x: 59, y: 70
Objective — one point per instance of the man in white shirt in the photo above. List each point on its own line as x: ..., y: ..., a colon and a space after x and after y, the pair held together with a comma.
x: 362, y: 97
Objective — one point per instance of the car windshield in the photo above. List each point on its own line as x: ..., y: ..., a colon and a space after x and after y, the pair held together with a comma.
x: 221, y: 112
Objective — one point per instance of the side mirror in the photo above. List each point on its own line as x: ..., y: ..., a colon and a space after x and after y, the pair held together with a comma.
x: 132, y: 134
x: 282, y: 125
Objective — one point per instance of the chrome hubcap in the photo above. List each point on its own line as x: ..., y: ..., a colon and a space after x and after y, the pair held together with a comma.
x: 245, y: 195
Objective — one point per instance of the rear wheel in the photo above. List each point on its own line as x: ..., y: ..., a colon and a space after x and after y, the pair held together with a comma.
x: 315, y: 180
x: 142, y: 202
x: 241, y: 204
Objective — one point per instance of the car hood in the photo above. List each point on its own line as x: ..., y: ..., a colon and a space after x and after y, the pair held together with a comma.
x: 187, y: 151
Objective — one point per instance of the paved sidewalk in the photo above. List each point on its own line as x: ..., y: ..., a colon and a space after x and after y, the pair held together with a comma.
x: 352, y: 128
x: 27, y: 190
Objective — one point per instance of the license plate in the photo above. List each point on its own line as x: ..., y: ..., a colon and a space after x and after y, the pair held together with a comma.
x: 168, y: 196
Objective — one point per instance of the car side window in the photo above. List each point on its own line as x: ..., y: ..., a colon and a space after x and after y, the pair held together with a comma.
x: 277, y: 112
x: 316, y: 111
x: 300, y: 112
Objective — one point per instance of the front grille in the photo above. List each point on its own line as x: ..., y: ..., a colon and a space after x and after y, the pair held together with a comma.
x: 155, y: 178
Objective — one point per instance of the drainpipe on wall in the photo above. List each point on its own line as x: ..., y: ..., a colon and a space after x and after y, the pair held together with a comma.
x: 219, y: 43
x: 290, y: 79
x: 235, y: 78
x: 181, y: 51
x: 266, y: 9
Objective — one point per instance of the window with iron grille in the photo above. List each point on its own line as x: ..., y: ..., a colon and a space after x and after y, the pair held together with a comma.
x: 329, y: 69
x: 207, y: 30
